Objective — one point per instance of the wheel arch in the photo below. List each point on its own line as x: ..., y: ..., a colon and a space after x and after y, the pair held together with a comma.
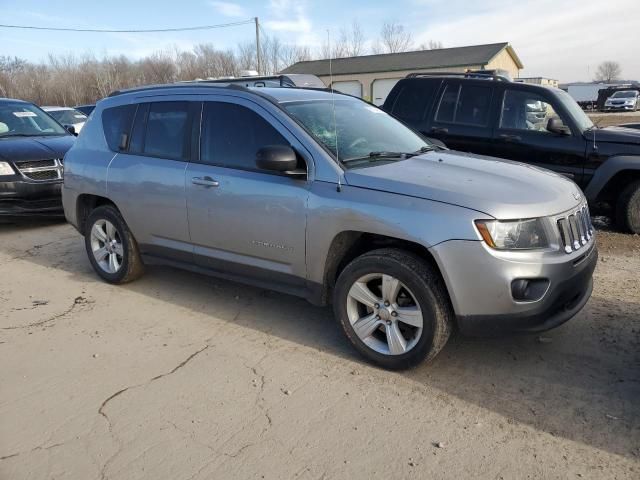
x: 348, y: 245
x: 611, y: 178
x: 85, y: 204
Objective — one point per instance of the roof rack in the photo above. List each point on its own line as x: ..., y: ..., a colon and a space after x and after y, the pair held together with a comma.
x: 488, y: 75
x: 177, y: 85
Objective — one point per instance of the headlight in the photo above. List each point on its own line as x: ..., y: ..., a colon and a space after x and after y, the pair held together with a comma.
x: 5, y: 169
x: 513, y: 234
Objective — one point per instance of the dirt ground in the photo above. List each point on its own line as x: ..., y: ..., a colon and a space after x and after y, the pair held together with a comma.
x: 607, y: 119
x: 179, y: 376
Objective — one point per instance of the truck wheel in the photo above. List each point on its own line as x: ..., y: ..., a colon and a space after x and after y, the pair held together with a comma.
x: 628, y: 208
x: 393, y: 307
x: 111, y: 247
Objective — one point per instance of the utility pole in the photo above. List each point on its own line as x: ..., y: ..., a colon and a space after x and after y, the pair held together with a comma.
x: 258, y: 62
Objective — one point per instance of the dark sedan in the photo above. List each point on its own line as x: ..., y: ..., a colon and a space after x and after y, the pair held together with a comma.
x: 32, y: 147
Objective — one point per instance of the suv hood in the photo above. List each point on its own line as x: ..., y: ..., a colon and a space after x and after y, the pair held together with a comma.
x: 616, y: 135
x: 34, y: 148
x: 500, y: 188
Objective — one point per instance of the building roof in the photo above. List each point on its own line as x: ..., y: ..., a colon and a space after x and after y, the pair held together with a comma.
x: 417, y: 60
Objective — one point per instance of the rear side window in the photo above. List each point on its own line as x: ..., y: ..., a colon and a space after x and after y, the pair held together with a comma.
x: 233, y: 134
x: 412, y: 100
x: 167, y: 129
x: 465, y: 104
x: 116, y: 122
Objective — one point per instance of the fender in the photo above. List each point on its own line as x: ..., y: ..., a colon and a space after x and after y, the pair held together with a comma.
x: 607, y: 171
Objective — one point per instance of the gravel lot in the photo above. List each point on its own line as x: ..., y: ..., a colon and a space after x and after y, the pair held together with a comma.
x: 180, y: 376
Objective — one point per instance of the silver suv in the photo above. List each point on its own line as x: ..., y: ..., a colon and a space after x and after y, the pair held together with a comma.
x: 329, y: 198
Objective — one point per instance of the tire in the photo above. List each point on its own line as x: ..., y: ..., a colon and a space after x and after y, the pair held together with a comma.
x: 420, y: 288
x: 628, y: 208
x: 127, y: 265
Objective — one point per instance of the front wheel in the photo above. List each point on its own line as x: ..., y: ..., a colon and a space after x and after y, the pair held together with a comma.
x: 111, y: 247
x: 628, y: 208
x: 393, y: 307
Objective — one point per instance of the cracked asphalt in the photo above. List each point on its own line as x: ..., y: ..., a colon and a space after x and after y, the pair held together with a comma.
x: 181, y: 376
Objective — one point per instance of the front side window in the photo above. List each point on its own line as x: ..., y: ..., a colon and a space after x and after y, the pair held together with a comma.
x: 465, y: 105
x: 232, y: 135
x: 166, y: 132
x: 359, y: 131
x: 19, y: 119
x: 526, y: 111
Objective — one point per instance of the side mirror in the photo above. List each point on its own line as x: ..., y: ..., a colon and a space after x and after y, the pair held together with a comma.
x: 555, y: 125
x: 277, y: 158
x: 71, y: 129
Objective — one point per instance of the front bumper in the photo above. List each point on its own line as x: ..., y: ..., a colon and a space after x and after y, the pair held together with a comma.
x: 479, y: 282
x: 608, y: 108
x: 20, y: 198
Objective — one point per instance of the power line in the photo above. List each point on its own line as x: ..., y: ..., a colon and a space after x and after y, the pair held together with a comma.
x: 151, y: 30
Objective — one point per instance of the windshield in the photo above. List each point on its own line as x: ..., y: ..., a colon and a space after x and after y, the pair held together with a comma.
x: 362, y: 129
x: 577, y: 114
x: 26, y: 120
x: 68, y: 117
x: 625, y: 94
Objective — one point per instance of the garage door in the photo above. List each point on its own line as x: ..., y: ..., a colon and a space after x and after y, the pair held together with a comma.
x: 381, y: 89
x: 352, y: 87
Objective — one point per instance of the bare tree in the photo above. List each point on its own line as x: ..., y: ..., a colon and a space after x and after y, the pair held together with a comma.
x: 430, y: 45
x: 608, y: 71
x: 395, y: 38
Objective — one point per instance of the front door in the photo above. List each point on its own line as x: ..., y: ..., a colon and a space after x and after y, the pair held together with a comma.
x: 522, y: 135
x: 244, y: 221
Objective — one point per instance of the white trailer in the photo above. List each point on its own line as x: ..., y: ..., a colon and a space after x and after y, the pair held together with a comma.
x: 586, y: 94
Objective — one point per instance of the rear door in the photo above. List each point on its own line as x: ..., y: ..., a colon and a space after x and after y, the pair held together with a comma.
x: 522, y: 133
x: 462, y: 116
x: 147, y: 179
x: 245, y: 221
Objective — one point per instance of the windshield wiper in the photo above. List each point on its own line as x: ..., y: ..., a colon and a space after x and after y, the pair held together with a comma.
x: 376, y: 155
x: 16, y: 135
x: 389, y: 155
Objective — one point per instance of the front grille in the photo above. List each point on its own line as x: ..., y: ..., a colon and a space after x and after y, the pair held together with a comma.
x: 575, y: 229
x: 41, y: 170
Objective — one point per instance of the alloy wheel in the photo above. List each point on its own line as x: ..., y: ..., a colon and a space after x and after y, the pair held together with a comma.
x: 106, y: 245
x: 384, y: 314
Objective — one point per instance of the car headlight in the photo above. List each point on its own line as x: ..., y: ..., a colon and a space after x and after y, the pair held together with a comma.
x: 5, y: 169
x: 513, y: 234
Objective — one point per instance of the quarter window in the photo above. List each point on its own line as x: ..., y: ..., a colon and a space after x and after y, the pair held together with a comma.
x: 166, y: 132
x: 412, y: 100
x: 233, y: 134
x: 116, y: 121
x: 526, y: 111
x: 465, y: 105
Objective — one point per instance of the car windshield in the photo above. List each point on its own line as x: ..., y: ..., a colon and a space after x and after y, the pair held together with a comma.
x: 360, y: 131
x: 68, y: 117
x: 19, y: 119
x: 625, y: 94
x: 577, y: 114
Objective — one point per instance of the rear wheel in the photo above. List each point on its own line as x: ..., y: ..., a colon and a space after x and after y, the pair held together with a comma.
x: 628, y: 208
x: 393, y: 307
x: 111, y: 247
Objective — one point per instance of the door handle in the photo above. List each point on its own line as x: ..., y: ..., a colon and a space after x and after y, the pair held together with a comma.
x: 439, y: 130
x: 205, y: 181
x: 510, y: 138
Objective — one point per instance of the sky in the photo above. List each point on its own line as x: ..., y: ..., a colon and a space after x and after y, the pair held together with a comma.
x: 561, y: 39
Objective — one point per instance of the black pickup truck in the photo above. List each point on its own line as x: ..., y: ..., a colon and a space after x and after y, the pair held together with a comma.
x: 543, y: 126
